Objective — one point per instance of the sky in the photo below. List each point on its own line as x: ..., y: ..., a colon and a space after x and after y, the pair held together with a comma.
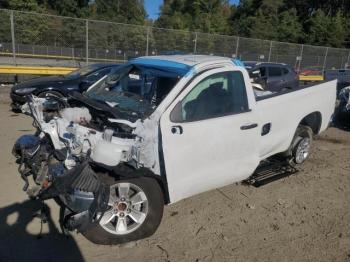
x: 152, y: 7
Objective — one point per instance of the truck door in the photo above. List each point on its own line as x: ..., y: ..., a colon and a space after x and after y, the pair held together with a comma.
x: 210, y: 135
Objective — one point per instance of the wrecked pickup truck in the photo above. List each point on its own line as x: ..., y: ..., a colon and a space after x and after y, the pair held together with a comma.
x: 158, y: 130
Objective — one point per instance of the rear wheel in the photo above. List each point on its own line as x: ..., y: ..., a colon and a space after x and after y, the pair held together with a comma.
x: 300, y: 147
x: 135, y: 209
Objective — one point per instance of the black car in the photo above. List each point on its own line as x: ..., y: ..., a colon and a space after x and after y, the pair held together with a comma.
x: 342, y: 75
x: 274, y: 77
x: 78, y: 80
x: 342, y: 111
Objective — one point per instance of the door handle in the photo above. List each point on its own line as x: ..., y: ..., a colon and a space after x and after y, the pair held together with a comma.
x: 249, y: 126
x: 176, y: 130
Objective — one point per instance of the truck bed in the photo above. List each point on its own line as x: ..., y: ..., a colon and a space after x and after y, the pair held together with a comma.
x: 285, y: 111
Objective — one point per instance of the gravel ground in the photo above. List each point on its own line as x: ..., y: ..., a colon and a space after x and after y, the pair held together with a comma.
x: 304, y: 217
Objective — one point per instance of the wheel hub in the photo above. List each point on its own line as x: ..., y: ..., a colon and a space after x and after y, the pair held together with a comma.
x: 121, y: 206
x: 128, y: 209
x: 302, y: 151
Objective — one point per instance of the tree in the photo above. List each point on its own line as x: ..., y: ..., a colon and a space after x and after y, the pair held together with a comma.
x: 208, y: 16
x: 22, y: 5
x: 121, y: 11
x: 289, y: 29
x: 338, y: 30
x: 71, y: 8
x: 318, y: 27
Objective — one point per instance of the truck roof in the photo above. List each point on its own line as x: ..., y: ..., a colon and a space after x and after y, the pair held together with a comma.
x: 179, y: 63
x: 190, y: 60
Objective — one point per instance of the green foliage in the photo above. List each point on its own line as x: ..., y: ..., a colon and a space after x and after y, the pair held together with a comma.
x: 122, y: 11
x: 288, y: 28
x: 324, y: 22
x: 210, y: 16
x: 23, y: 5
x: 314, y: 22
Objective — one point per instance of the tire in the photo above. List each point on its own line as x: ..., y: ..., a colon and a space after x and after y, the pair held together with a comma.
x: 299, y: 149
x: 107, y: 234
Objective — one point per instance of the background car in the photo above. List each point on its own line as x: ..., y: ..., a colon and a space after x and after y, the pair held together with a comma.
x: 342, y: 75
x: 78, y: 80
x: 342, y: 111
x: 274, y: 77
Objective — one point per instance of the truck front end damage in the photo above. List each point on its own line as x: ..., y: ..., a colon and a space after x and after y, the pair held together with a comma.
x: 70, y: 152
x: 98, y: 154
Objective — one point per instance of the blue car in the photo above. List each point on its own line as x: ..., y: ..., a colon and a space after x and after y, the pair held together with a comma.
x: 78, y: 80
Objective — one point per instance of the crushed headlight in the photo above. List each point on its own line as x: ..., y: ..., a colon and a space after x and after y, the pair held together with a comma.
x: 24, y: 91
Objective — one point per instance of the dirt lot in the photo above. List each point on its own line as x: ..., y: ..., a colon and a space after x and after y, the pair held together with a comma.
x: 304, y: 217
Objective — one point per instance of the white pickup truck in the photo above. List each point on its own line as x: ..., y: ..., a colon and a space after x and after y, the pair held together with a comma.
x: 158, y: 130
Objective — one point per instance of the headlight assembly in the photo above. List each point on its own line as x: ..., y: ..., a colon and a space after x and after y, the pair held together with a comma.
x: 24, y: 91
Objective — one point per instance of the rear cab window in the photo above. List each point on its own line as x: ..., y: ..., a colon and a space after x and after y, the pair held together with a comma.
x: 285, y: 71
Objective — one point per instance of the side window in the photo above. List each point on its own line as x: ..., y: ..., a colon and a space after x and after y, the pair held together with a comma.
x: 257, y: 72
x: 217, y: 95
x: 285, y: 71
x: 93, y: 77
x: 275, y: 71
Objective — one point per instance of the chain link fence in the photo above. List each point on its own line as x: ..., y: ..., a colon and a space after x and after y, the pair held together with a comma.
x: 32, y: 38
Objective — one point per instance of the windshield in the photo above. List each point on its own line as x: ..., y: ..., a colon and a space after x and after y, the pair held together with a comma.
x: 135, y: 88
x: 81, y: 71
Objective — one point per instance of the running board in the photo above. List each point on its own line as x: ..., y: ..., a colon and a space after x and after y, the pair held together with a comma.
x: 270, y: 170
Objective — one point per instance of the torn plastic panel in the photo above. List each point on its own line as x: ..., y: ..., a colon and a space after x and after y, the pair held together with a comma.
x: 84, y: 210
x: 146, y: 144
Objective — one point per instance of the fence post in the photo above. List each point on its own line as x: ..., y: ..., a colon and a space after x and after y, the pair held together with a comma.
x: 325, y: 60
x: 195, y: 43
x: 237, y: 46
x: 147, y: 41
x: 13, y: 37
x: 347, y: 62
x: 270, y: 51
x: 300, y: 57
x: 87, y: 40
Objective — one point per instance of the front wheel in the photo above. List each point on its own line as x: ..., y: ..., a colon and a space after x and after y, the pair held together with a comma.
x: 135, y: 209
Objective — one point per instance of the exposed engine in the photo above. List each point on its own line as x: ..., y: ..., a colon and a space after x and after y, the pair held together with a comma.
x: 61, y: 160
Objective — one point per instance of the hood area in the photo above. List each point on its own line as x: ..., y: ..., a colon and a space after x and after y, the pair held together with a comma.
x: 43, y: 81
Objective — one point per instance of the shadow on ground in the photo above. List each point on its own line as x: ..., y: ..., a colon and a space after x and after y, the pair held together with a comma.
x: 17, y: 244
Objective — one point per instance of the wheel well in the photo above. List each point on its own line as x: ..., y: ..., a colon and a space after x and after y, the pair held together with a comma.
x: 126, y: 171
x: 52, y: 91
x: 313, y: 120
